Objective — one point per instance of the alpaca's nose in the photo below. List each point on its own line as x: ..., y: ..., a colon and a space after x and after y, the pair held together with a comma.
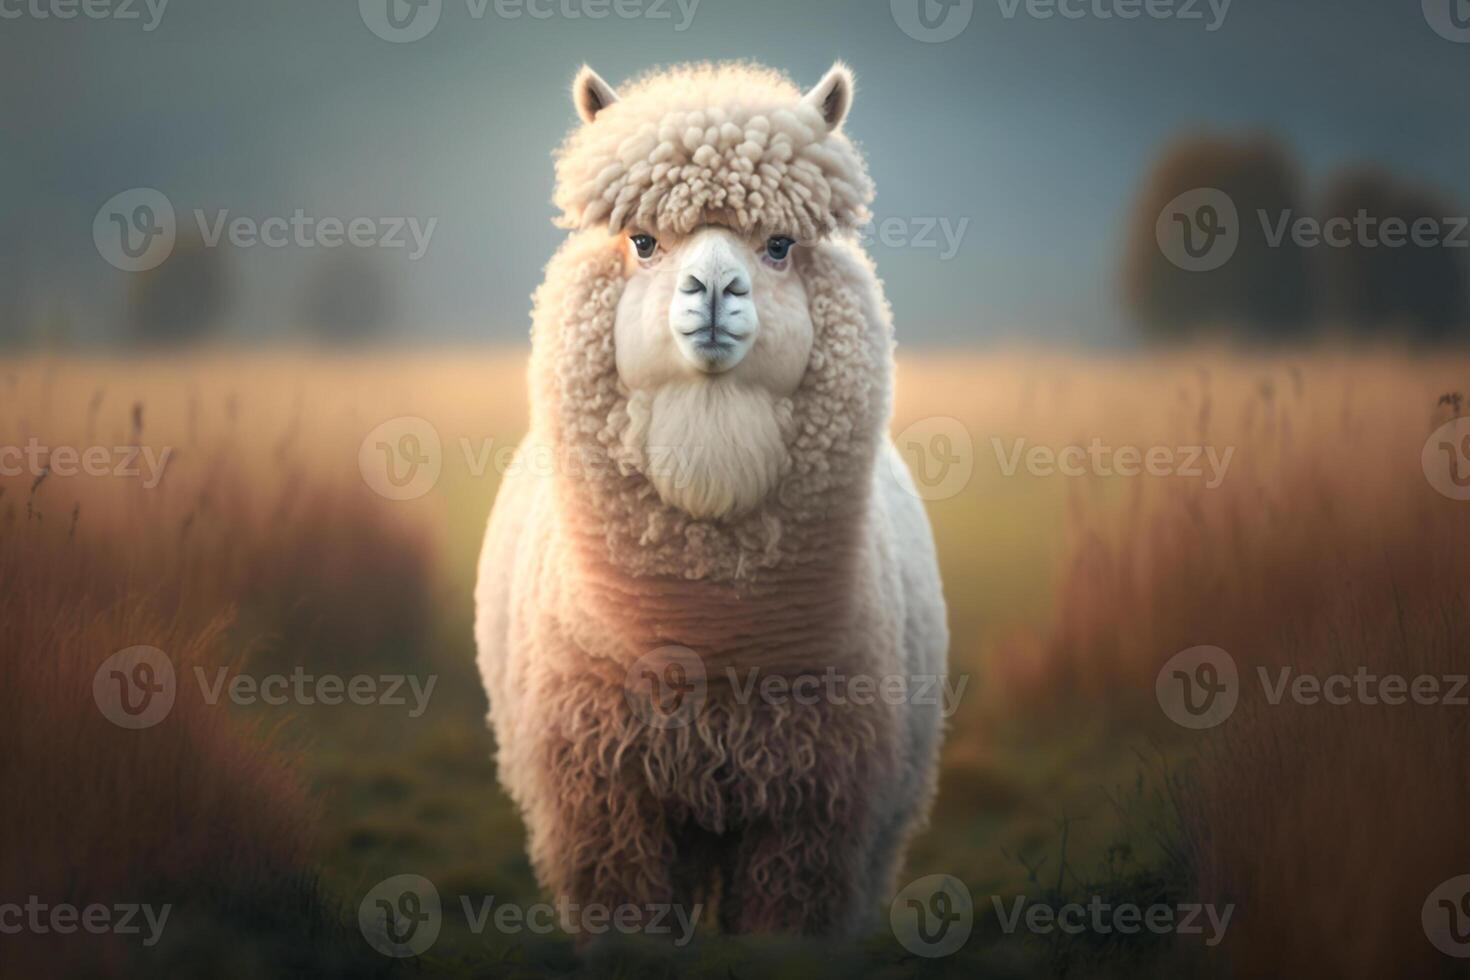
x: 712, y: 313
x: 715, y: 285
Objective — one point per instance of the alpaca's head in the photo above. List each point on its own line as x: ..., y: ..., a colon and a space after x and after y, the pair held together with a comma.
x: 713, y: 185
x: 712, y: 180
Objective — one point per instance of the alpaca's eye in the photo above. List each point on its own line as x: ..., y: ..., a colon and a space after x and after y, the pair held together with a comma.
x: 779, y: 247
x: 645, y: 244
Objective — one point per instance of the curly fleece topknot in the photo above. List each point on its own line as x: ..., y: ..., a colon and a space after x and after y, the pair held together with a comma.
x: 724, y: 144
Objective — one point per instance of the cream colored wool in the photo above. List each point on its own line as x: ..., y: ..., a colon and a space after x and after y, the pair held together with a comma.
x: 789, y: 817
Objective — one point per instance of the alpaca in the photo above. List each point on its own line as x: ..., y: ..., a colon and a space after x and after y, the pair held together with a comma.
x: 710, y: 384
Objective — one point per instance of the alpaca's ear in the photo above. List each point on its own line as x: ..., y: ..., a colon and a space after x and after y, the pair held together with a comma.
x: 591, y: 94
x: 833, y: 95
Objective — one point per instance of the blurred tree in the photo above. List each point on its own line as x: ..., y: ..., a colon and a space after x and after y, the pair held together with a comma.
x: 347, y: 297
x: 1262, y: 289
x: 180, y: 300
x: 1371, y: 284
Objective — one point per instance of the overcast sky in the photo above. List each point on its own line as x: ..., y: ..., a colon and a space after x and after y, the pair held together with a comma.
x: 1016, y: 146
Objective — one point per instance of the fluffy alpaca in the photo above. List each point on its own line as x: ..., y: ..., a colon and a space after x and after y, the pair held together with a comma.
x: 710, y: 377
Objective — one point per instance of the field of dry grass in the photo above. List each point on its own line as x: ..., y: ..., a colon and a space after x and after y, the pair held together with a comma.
x: 262, y: 548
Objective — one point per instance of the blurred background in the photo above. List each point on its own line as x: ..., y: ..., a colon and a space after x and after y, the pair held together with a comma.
x: 246, y: 247
x: 1011, y: 154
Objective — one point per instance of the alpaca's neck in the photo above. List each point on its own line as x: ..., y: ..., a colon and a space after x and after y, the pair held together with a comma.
x: 792, y: 608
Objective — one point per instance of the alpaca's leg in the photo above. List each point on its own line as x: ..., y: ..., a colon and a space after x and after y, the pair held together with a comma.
x: 803, y: 876
x: 602, y: 844
x: 901, y: 812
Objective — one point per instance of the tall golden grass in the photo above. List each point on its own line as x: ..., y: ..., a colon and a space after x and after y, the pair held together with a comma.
x: 248, y: 554
x: 1324, y: 549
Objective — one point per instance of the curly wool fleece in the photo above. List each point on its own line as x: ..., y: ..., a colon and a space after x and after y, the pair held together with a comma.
x: 790, y: 817
x: 704, y: 144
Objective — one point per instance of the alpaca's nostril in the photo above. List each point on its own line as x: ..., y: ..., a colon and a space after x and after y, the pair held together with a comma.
x: 692, y: 285
x: 737, y: 287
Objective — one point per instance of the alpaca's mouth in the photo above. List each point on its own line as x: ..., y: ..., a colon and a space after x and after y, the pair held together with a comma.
x: 713, y: 350
x: 712, y: 335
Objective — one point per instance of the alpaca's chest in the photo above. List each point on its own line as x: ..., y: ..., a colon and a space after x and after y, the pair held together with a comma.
x: 724, y: 748
x: 751, y: 745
